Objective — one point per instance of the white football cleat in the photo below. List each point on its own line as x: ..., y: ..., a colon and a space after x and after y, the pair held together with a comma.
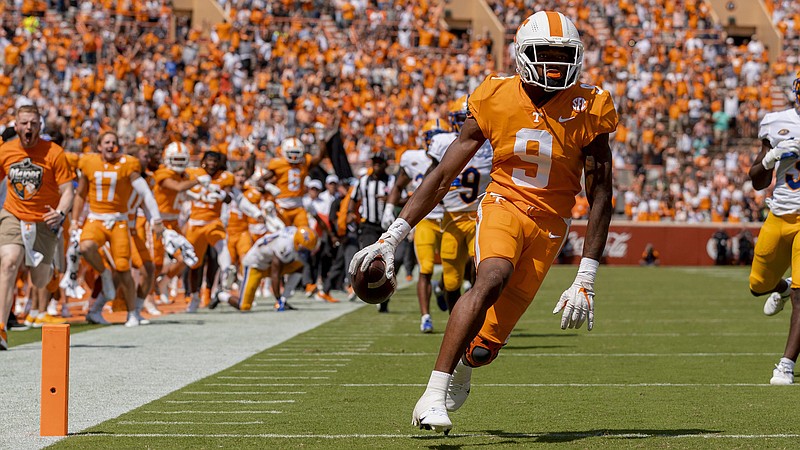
x: 775, y: 301
x: 431, y: 414
x: 458, y: 390
x: 782, y: 375
x: 151, y: 308
x: 132, y: 321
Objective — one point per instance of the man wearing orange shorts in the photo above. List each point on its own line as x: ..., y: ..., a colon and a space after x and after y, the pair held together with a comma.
x: 205, y: 228
x: 546, y: 130
x: 39, y: 195
x: 108, y: 180
x: 171, y: 182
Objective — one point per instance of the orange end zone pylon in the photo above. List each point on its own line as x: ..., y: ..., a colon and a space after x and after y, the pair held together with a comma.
x: 55, y: 380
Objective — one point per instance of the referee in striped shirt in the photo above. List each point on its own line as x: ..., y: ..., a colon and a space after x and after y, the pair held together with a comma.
x: 369, y: 199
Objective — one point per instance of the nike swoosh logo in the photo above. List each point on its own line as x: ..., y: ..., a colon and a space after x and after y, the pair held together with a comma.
x: 553, y: 236
x: 562, y: 120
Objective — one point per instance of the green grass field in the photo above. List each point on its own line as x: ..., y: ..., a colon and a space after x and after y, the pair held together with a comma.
x: 678, y: 358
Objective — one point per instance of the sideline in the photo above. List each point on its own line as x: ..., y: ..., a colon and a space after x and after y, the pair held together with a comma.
x: 116, y: 369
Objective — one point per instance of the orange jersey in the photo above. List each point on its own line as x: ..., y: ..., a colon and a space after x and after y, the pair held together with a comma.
x: 169, y: 201
x: 537, y: 150
x: 290, y: 180
x: 207, y: 211
x: 238, y: 222
x: 33, y: 178
x: 110, y: 186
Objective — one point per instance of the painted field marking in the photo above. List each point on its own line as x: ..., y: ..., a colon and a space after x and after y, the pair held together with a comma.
x: 165, y: 422
x: 260, y: 384
x: 291, y: 371
x: 296, y: 365
x: 212, y: 412
x: 228, y: 401
x: 301, y: 359
x: 242, y: 393
x: 272, y: 378
x: 601, y: 434
x: 501, y: 385
x: 584, y: 355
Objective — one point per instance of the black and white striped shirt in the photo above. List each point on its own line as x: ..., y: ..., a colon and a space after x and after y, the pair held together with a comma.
x: 372, y: 192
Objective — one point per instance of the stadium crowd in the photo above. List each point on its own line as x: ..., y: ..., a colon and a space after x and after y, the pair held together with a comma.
x: 689, y: 97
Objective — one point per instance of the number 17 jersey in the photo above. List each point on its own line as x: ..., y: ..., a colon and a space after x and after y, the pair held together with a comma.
x: 468, y: 187
x: 538, y: 156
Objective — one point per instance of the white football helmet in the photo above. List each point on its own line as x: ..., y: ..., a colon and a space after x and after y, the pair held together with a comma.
x: 293, y: 150
x: 547, y: 29
x: 176, y: 156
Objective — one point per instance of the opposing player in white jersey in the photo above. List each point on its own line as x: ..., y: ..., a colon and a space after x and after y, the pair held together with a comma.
x: 274, y: 255
x: 778, y: 245
x: 460, y: 204
x: 414, y: 164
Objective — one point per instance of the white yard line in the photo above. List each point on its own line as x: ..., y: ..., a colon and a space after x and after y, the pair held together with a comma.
x: 604, y: 434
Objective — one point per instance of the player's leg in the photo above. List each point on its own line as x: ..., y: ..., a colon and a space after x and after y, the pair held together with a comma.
x: 501, y: 238
x: 93, y: 236
x: 427, y: 238
x: 784, y: 371
x: 772, y: 257
x: 121, y: 253
x: 196, y: 235
x: 454, y: 258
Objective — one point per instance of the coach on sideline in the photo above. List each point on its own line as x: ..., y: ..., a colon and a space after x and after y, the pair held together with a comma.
x: 38, y: 199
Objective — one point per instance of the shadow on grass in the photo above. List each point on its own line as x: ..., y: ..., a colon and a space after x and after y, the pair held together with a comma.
x: 533, y: 347
x: 557, y: 437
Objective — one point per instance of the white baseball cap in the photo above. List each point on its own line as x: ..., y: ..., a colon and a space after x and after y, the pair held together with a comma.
x: 331, y: 179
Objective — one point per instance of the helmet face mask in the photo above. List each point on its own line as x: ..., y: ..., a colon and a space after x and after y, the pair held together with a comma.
x: 548, y: 51
x: 293, y: 150
x: 176, y: 157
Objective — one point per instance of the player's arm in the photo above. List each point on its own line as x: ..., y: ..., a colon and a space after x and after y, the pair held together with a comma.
x: 760, y: 175
x: 55, y: 217
x: 275, y: 275
x: 179, y: 186
x: 432, y: 190
x: 437, y: 183
x: 576, y: 304
x: 79, y: 200
x: 599, y: 190
x: 322, y: 153
x: 400, y: 183
x: 768, y: 157
x: 140, y: 186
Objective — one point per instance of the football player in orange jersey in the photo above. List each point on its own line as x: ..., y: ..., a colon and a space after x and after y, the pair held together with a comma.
x: 289, y: 173
x: 546, y: 129
x: 108, y: 180
x: 171, y: 181
x: 205, y: 228
x: 149, y: 160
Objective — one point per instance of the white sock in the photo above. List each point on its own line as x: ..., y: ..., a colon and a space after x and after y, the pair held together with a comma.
x: 42, y: 314
x: 34, y: 313
x: 787, y: 363
x: 438, y: 383
x: 139, y: 304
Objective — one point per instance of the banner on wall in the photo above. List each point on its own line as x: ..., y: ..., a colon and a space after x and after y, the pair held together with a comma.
x: 676, y: 244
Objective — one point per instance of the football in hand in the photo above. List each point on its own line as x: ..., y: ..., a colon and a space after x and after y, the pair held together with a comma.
x: 372, y: 286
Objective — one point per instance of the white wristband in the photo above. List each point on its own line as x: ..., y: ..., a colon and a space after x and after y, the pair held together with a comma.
x: 397, y: 231
x: 587, y: 270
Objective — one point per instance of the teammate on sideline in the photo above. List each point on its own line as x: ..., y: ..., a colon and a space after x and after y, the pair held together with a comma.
x: 546, y: 129
x: 205, y: 228
x: 777, y: 244
x: 39, y: 196
x: 414, y: 164
x: 171, y: 182
x: 274, y: 255
x: 107, y: 181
